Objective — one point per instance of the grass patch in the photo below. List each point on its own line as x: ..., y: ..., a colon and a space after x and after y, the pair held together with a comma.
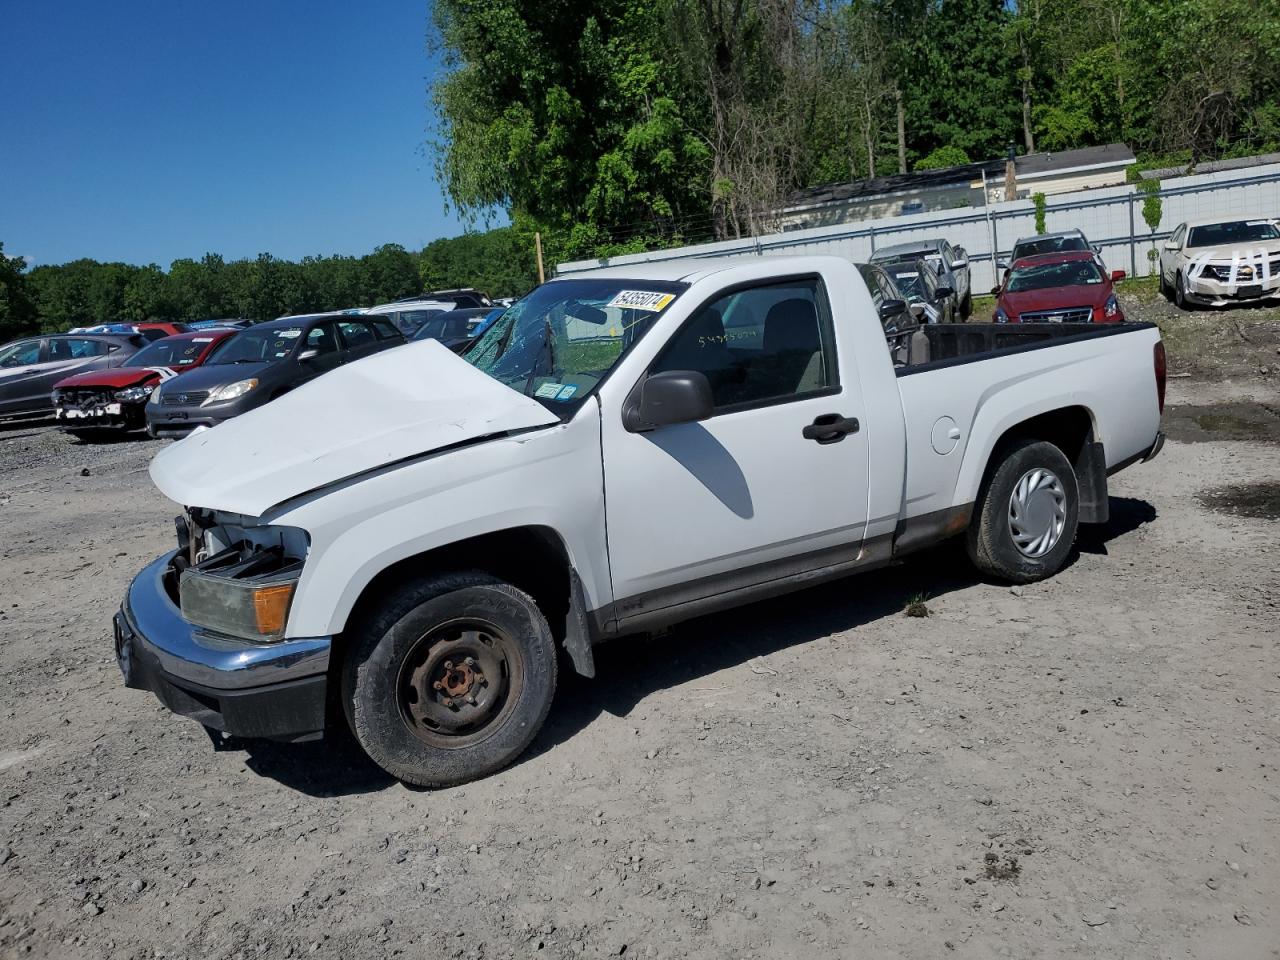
x: 916, y: 606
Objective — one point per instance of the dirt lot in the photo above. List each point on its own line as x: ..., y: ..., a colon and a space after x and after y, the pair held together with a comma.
x: 1087, y: 767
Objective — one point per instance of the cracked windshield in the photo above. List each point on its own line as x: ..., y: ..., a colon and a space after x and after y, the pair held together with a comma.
x: 559, y: 342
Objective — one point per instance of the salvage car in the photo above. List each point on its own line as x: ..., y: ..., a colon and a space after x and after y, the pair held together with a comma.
x: 950, y: 263
x: 262, y: 363
x: 415, y: 537
x: 1212, y: 262
x: 31, y: 366
x: 1058, y: 288
x: 930, y: 300
x: 115, y: 399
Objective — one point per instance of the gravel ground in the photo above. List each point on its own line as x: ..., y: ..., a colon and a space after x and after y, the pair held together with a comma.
x: 1085, y: 767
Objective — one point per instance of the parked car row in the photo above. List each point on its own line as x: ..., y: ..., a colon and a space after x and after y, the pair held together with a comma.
x: 109, y: 377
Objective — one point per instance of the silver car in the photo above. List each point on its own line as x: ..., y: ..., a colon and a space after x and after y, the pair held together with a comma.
x: 30, y: 367
x: 950, y: 263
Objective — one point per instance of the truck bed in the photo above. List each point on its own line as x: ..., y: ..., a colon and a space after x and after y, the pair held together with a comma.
x: 931, y: 346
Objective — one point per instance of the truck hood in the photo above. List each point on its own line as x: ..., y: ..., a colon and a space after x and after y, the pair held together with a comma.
x: 395, y: 405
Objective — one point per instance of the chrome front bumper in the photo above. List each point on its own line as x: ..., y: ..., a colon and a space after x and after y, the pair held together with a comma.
x: 271, y: 690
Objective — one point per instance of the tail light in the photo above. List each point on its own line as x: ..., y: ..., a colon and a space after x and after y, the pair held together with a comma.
x: 1162, y: 370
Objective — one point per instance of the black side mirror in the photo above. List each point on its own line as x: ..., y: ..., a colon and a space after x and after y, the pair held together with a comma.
x: 995, y: 291
x: 308, y: 354
x: 892, y: 308
x: 674, y: 396
x: 941, y: 293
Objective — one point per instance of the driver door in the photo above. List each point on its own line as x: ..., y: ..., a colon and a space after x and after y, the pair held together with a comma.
x: 696, y: 510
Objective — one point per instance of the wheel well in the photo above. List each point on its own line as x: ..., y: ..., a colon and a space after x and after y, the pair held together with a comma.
x: 532, y: 559
x: 1070, y: 429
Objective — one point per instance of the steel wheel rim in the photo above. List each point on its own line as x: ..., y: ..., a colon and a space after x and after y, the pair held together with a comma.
x: 459, y: 682
x: 1037, y: 512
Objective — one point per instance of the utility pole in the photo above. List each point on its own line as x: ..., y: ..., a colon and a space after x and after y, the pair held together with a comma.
x: 1011, y: 174
x: 537, y: 242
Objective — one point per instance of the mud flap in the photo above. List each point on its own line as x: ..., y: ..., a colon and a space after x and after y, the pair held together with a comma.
x: 1091, y: 478
x: 577, y: 632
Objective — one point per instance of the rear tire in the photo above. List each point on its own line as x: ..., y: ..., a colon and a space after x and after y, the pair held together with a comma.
x: 1026, y: 516
x: 966, y: 307
x: 449, y: 679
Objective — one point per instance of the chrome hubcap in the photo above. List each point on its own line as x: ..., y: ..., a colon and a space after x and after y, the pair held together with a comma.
x: 1037, y: 512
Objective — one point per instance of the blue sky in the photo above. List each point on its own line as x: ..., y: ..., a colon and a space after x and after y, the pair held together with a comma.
x: 148, y: 130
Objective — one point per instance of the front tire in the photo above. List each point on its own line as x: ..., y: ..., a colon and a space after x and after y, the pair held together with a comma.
x: 450, y: 678
x: 966, y: 307
x: 1026, y: 516
x: 1180, y: 293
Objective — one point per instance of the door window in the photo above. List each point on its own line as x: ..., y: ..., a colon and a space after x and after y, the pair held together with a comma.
x: 759, y: 346
x: 20, y: 354
x: 356, y: 333
x: 322, y: 338
x: 77, y: 348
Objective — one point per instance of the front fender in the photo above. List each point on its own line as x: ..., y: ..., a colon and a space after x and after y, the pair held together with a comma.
x: 548, y: 478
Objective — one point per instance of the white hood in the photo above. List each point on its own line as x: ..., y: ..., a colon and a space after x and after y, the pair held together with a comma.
x: 400, y: 403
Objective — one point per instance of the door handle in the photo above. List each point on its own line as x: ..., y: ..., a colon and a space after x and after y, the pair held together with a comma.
x: 830, y: 428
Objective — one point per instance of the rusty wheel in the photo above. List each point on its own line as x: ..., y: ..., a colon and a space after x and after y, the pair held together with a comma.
x: 457, y: 681
x: 448, y: 678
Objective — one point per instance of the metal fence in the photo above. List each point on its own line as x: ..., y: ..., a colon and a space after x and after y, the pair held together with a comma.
x: 1111, y: 217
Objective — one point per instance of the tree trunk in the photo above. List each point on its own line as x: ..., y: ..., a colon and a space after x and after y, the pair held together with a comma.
x: 902, y: 131
x: 1027, y: 133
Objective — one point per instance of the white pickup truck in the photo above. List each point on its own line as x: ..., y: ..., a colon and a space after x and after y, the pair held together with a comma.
x: 414, y: 538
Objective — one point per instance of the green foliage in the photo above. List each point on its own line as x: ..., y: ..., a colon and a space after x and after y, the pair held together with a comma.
x: 1152, y: 208
x: 624, y: 125
x: 944, y: 156
x: 501, y: 262
x: 1041, y: 206
x: 86, y: 292
x: 17, y: 312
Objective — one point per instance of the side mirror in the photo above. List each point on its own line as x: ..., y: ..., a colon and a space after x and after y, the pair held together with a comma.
x: 941, y: 293
x: 674, y: 396
x: 917, y: 310
x: 1170, y: 245
x: 308, y: 354
x: 1002, y: 264
x: 959, y: 264
x: 892, y: 308
x: 995, y: 291
x: 1117, y: 275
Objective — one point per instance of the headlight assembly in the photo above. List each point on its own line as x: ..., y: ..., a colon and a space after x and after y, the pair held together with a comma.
x: 230, y: 391
x: 132, y: 394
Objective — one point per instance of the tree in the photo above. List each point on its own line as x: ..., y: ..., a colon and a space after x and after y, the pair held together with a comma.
x: 17, y: 311
x: 945, y: 156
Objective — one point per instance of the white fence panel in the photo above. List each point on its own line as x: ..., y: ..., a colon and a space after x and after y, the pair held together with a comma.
x: 1110, y: 217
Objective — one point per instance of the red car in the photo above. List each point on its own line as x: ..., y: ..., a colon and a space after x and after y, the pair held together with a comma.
x: 1068, y: 287
x: 116, y: 398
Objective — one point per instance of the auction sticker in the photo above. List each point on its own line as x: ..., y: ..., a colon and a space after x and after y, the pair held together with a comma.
x: 641, y: 300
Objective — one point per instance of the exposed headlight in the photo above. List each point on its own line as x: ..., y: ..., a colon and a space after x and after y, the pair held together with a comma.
x: 245, y: 580
x: 1000, y: 316
x: 252, y: 609
x: 155, y: 395
x: 1111, y: 308
x: 130, y: 394
x: 230, y: 391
